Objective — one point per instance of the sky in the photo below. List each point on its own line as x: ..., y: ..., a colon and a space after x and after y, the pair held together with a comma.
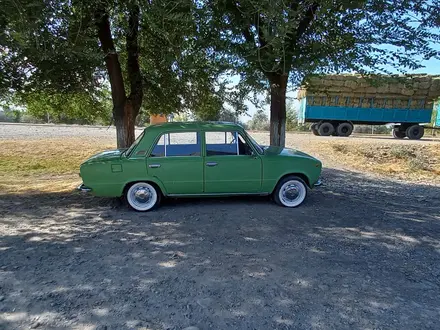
x: 431, y: 67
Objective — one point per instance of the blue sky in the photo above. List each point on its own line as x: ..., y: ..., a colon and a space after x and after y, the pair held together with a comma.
x: 431, y: 67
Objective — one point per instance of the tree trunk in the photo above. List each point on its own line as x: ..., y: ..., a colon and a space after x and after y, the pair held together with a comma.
x: 278, y: 86
x: 125, y: 109
x: 125, y: 125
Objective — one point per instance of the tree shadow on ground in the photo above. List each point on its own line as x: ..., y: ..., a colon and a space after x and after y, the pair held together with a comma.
x: 360, y: 253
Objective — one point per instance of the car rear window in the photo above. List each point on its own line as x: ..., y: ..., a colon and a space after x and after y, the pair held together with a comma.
x: 177, y: 144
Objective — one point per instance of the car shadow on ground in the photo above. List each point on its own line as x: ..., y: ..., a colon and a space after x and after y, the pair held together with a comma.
x: 360, y: 253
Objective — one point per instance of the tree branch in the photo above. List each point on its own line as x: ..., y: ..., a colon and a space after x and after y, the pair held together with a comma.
x: 295, y: 36
x: 304, y: 23
x: 307, y: 19
x: 111, y: 60
x: 232, y: 6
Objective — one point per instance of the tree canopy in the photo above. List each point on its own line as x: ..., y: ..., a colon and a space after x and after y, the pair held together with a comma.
x: 167, y: 56
x: 147, y: 50
x: 271, y: 44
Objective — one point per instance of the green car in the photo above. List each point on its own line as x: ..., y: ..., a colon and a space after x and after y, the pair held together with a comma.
x: 199, y: 159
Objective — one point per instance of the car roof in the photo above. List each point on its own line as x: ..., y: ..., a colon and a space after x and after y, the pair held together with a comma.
x: 196, y: 125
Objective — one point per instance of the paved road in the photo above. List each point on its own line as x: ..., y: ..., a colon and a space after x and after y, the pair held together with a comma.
x: 20, y: 131
x: 359, y: 254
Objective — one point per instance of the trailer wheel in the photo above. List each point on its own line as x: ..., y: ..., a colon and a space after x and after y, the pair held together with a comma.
x: 345, y: 129
x: 326, y: 129
x: 398, y: 134
x: 314, y: 129
x: 415, y: 132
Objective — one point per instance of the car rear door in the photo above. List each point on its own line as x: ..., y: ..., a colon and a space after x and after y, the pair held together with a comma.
x: 230, y: 166
x: 176, y: 160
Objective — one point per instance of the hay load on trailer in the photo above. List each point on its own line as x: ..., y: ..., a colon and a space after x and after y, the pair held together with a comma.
x: 334, y: 103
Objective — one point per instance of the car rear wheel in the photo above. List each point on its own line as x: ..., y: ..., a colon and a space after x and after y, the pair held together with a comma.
x: 291, y: 191
x: 143, y: 196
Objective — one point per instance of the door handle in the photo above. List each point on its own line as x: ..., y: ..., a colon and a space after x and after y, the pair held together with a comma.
x: 211, y: 164
x: 154, y: 165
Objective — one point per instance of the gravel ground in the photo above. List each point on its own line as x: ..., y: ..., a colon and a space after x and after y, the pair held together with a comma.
x: 361, y: 253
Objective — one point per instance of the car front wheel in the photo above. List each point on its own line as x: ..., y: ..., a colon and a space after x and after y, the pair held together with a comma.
x: 291, y: 191
x: 142, y: 196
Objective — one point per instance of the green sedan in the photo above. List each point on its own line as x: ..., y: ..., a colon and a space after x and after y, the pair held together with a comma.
x: 199, y: 159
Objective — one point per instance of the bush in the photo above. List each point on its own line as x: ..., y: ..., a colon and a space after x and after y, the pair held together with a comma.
x: 375, y: 129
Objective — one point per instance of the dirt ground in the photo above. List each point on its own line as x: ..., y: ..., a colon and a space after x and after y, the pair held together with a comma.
x: 363, y: 252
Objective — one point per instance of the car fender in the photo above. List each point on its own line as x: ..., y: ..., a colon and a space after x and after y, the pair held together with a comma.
x: 152, y: 179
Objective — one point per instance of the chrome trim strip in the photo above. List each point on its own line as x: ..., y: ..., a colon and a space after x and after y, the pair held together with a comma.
x: 219, y: 194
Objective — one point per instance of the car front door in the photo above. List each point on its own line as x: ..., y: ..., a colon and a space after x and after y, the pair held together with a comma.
x: 176, y: 160
x: 230, y: 164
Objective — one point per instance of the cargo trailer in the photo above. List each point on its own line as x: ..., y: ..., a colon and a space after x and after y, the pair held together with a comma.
x: 334, y: 104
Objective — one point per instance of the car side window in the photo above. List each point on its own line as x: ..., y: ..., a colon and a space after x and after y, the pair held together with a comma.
x: 226, y: 144
x: 177, y: 144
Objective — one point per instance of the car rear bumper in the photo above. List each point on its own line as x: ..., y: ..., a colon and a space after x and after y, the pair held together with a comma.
x: 84, y: 188
x: 318, y: 183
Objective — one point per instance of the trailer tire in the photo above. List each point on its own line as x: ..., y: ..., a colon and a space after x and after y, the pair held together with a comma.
x: 398, y: 134
x: 415, y: 132
x: 344, y: 129
x: 326, y: 129
x: 314, y: 128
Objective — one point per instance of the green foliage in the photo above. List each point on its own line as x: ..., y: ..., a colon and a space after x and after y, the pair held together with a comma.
x: 259, y: 121
x: 292, y: 123
x: 369, y: 129
x: 53, y: 50
x: 265, y: 37
x: 13, y: 115
x: 270, y: 43
x: 78, y: 108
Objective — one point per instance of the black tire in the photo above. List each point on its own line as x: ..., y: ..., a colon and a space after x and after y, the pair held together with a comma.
x: 415, y: 132
x: 314, y: 129
x: 326, y: 129
x: 344, y: 129
x: 298, y: 183
x: 136, y: 203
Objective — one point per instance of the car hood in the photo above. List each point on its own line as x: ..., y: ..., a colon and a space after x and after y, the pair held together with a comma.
x: 272, y: 150
x: 105, y: 156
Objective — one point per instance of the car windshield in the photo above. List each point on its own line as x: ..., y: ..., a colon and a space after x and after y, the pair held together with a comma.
x: 257, y: 146
x: 135, y: 143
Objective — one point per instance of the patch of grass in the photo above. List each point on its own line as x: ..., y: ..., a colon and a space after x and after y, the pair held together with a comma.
x: 418, y: 164
x: 339, y: 147
x: 402, y: 152
x: 46, y: 164
x: 370, y: 154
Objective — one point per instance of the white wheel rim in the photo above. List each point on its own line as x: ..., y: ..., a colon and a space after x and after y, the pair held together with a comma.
x: 142, y: 196
x: 292, y: 193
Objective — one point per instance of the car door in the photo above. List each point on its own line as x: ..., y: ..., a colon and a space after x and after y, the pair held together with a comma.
x: 230, y: 164
x: 176, y: 160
